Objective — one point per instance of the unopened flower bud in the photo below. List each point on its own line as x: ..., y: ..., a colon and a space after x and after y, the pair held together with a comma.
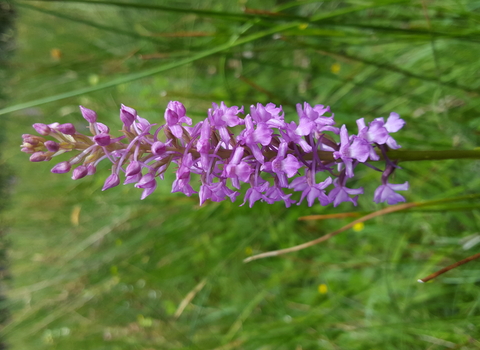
x: 79, y: 172
x: 39, y: 157
x: 67, y: 129
x: 102, y: 128
x: 42, y: 129
x: 127, y: 115
x: 171, y: 117
x: 102, y: 139
x: 61, y: 168
x: 88, y: 114
x: 133, y: 168
x: 111, y: 181
x: 177, y: 107
x: 158, y: 148
x: 91, y: 169
x: 32, y: 139
x: 52, y: 146
x: 147, y: 181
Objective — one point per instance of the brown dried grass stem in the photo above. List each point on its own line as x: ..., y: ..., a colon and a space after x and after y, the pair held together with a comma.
x: 448, y: 268
x: 381, y: 212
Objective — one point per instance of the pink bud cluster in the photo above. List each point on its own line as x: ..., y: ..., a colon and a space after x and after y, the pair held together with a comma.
x: 274, y: 157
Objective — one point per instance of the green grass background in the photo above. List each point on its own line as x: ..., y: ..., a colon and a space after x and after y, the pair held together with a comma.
x: 104, y: 270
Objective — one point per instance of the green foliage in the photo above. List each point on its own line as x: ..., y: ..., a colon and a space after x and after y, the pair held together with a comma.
x: 103, y: 270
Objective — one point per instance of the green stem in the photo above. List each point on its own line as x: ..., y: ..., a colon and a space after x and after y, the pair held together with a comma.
x: 401, y: 156
x: 407, y: 155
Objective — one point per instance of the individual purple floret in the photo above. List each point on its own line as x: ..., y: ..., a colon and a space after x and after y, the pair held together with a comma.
x: 274, y: 158
x: 386, y: 191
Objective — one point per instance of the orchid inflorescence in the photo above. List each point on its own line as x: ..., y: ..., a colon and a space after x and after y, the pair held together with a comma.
x: 266, y: 153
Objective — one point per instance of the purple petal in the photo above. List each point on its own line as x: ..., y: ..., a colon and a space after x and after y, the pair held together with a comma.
x: 89, y: 115
x: 291, y: 165
x: 102, y: 139
x: 394, y: 122
x: 111, y: 181
x: 52, y: 146
x: 42, y: 129
x: 61, y: 168
x: 79, y: 172
x: 127, y: 115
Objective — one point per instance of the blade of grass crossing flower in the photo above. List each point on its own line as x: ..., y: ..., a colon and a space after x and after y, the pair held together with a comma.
x: 244, y: 17
x: 144, y: 74
x: 448, y: 268
x: 150, y: 72
x: 382, y: 65
x: 89, y: 23
x: 419, y: 209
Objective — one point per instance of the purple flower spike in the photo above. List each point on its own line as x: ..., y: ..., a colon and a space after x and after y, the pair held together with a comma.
x: 89, y: 115
x: 61, y: 168
x: 67, y: 129
x: 42, y: 129
x: 266, y: 153
x: 127, y: 115
x: 111, y: 181
x: 386, y: 193
x: 79, y: 172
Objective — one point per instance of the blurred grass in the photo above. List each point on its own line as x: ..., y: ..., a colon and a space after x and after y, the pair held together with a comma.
x: 103, y: 270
